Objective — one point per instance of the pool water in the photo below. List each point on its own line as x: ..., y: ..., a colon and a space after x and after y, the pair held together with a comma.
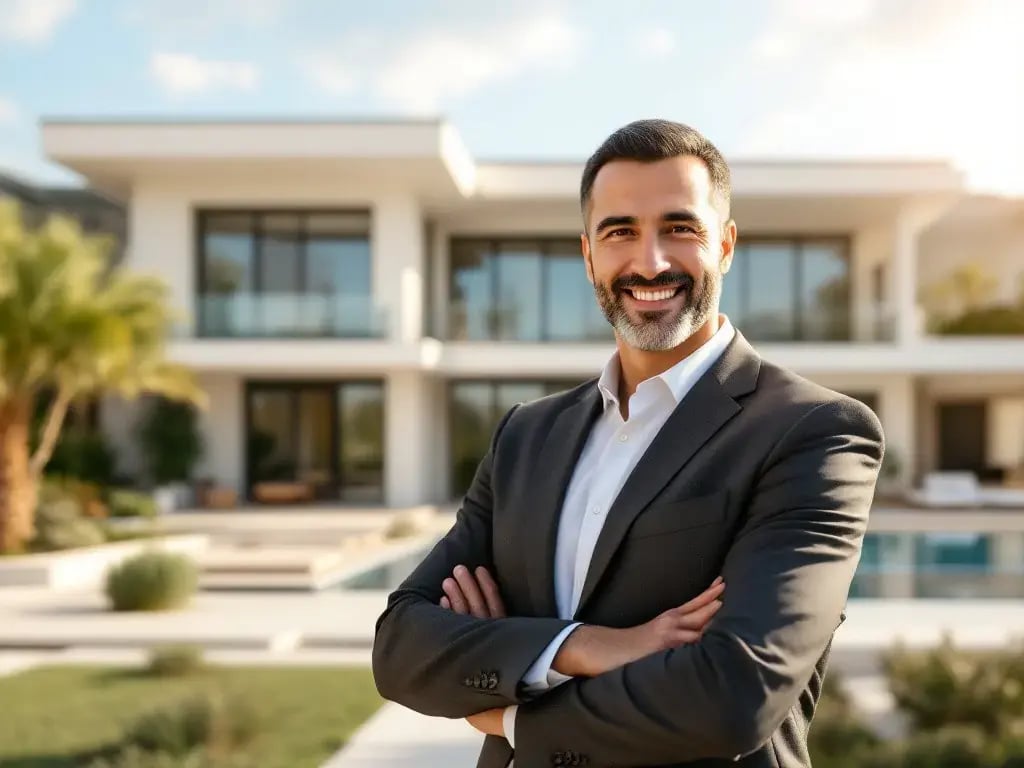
x: 903, y: 565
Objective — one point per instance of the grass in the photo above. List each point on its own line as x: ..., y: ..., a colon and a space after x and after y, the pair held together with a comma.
x: 52, y: 714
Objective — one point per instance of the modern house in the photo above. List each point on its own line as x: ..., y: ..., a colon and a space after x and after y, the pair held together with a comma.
x: 363, y: 300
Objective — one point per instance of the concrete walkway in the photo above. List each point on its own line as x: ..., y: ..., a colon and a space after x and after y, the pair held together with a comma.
x: 399, y: 738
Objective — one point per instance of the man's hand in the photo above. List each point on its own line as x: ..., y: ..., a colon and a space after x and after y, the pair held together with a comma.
x: 488, y: 722
x: 593, y: 650
x: 473, y: 593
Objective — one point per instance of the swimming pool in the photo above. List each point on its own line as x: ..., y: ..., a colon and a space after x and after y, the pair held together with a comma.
x: 893, y: 565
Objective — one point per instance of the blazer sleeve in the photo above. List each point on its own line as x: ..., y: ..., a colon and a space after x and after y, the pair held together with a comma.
x: 787, y: 573
x: 438, y: 662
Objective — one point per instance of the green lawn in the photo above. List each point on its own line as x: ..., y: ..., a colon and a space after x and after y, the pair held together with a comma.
x: 49, y: 715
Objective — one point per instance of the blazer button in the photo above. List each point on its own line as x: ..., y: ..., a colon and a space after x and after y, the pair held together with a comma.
x: 492, y: 680
x: 558, y: 759
x: 468, y: 682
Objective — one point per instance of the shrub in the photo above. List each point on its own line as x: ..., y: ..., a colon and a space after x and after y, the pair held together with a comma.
x: 175, y: 661
x: 84, y: 455
x: 126, y: 503
x: 403, y: 525
x: 210, y: 721
x: 151, y: 581
x: 944, y: 686
x: 133, y: 757
x: 837, y: 738
x: 170, y: 440
x: 952, y: 747
x: 60, y: 525
x: 986, y: 321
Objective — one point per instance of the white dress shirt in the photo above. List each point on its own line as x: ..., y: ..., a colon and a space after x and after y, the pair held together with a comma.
x: 613, y: 448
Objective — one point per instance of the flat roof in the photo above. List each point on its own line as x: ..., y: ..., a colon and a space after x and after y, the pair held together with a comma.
x: 112, y: 151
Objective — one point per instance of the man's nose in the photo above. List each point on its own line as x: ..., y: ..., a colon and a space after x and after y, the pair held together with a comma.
x: 651, y: 260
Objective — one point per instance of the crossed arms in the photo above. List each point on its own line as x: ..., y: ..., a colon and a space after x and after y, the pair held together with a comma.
x: 788, y: 573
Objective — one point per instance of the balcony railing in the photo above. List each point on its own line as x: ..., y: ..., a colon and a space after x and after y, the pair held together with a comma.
x: 287, y: 315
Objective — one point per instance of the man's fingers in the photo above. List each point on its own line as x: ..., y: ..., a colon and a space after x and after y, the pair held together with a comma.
x: 686, y: 636
x: 471, y: 591
x: 697, y: 619
x: 492, y: 595
x: 454, y: 593
x: 709, y: 595
x: 446, y: 603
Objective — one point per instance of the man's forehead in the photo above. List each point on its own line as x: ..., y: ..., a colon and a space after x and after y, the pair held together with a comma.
x: 643, y: 186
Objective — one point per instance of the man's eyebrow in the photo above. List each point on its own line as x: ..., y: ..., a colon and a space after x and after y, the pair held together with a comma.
x: 685, y: 216
x: 615, y: 221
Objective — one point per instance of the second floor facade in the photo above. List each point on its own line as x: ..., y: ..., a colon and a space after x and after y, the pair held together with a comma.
x: 388, y: 242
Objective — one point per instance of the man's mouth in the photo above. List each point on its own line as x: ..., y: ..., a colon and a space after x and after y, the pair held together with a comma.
x: 653, y: 295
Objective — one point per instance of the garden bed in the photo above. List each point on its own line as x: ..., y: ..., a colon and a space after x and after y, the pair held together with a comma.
x: 86, y: 567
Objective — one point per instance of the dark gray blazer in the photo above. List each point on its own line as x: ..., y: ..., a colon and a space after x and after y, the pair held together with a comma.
x: 758, y: 475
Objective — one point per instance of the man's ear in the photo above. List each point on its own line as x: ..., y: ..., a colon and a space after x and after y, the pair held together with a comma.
x: 729, y: 234
x: 587, y: 258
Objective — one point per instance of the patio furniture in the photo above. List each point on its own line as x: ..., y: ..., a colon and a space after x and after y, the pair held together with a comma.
x: 947, y: 489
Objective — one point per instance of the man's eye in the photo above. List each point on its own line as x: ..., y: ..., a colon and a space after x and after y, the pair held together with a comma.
x: 617, y: 232
x: 683, y: 228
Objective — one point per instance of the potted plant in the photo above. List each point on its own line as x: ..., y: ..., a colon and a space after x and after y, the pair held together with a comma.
x: 171, y: 445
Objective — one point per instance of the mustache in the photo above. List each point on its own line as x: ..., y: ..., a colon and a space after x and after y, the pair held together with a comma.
x: 664, y: 279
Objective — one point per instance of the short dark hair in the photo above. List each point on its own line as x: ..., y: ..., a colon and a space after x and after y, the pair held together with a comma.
x: 648, y: 141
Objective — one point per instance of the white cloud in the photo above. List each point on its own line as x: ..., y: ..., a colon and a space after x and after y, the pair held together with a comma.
x: 656, y: 42
x: 181, y: 73
x: 891, y: 85
x: 421, y: 72
x: 33, y: 21
x: 329, y: 73
x: 9, y: 111
x: 178, y: 17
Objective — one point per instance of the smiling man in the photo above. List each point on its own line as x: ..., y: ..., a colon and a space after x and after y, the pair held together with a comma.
x: 648, y: 569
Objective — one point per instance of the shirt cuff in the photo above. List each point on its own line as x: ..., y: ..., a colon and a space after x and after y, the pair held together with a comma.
x: 508, y: 724
x: 540, y: 676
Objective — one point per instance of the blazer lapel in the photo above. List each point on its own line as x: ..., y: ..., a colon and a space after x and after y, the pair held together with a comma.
x: 708, y: 406
x: 555, y: 465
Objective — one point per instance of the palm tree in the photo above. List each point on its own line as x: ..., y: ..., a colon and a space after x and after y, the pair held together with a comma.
x: 70, y: 326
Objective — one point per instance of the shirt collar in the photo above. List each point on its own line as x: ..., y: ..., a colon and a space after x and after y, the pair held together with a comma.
x: 680, y: 377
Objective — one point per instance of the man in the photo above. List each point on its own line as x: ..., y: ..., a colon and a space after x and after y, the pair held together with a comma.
x: 568, y: 612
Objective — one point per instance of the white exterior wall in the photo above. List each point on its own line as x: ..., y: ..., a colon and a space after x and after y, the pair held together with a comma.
x: 163, y: 234
x: 998, y: 249
x: 223, y: 428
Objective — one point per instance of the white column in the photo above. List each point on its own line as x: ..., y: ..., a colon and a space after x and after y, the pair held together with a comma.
x: 897, y: 406
x: 407, y: 465
x: 223, y: 429
x: 162, y: 244
x: 903, y: 281
x: 398, y: 265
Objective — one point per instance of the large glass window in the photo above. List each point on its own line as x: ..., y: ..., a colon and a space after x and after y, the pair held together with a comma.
x: 789, y: 289
x: 316, y: 441
x: 522, y: 290
x: 285, y: 273
x: 475, y: 408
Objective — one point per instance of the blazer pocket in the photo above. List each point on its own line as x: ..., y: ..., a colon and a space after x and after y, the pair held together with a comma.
x: 663, y: 517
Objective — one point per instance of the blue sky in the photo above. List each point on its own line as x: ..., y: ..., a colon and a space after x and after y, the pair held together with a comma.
x: 534, y: 79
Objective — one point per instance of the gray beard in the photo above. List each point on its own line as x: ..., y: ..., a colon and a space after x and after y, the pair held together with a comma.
x: 661, y: 331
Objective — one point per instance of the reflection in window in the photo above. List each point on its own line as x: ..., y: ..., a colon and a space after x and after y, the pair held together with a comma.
x: 789, y: 290
x: 519, y: 269
x: 771, y: 305
x: 299, y: 273
x: 475, y: 408
x: 522, y: 290
x: 471, y: 288
x: 825, y: 293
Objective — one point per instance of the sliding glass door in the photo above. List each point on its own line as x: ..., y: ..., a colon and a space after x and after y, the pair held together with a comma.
x: 309, y: 441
